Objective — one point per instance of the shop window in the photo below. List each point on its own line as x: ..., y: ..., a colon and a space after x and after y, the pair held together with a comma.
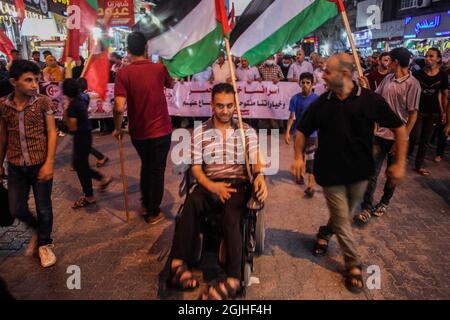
x: 408, y: 4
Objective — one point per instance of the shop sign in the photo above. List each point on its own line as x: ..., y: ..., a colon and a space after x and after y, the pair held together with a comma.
x: 429, y: 26
x: 389, y: 30
x: 8, y: 12
x: 122, y: 12
x: 363, y: 39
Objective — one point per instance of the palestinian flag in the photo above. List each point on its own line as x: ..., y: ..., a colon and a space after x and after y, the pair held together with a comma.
x: 267, y: 26
x: 187, y: 34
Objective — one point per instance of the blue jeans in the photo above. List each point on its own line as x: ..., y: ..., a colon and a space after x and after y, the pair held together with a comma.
x: 20, y: 180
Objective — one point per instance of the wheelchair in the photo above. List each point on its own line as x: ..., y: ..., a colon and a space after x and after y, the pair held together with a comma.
x: 253, y: 233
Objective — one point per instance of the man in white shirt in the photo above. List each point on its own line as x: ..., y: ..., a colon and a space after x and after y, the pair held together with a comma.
x: 203, y: 76
x: 247, y: 73
x: 319, y: 84
x: 299, y: 66
x: 221, y: 70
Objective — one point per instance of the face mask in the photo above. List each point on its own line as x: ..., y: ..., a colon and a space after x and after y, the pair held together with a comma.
x: 286, y: 65
x: 270, y: 62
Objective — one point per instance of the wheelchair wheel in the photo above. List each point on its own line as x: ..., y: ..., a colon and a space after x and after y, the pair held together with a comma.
x: 247, y: 274
x: 260, y: 233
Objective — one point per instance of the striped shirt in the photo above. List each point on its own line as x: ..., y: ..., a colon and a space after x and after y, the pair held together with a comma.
x: 222, y: 159
x: 27, y: 132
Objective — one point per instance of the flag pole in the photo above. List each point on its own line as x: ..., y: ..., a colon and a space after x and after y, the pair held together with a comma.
x: 124, y: 178
x: 341, y: 8
x: 238, y: 107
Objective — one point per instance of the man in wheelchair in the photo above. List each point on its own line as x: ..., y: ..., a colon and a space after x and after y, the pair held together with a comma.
x: 223, y: 185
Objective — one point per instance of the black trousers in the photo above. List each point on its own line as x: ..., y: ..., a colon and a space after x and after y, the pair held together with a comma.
x: 381, y: 150
x: 82, y: 144
x: 421, y: 134
x: 153, y: 153
x: 201, y: 203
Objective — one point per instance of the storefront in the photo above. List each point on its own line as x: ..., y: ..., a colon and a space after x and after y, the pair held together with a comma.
x: 424, y: 32
x: 388, y: 36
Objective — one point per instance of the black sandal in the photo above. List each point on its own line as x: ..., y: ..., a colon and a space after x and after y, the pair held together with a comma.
x: 82, y: 202
x: 350, y: 280
x: 363, y: 217
x: 230, y: 293
x: 321, y: 249
x: 186, y: 284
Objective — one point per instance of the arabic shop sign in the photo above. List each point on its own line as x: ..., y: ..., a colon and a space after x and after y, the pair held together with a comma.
x: 435, y: 25
x: 8, y: 13
x: 121, y: 11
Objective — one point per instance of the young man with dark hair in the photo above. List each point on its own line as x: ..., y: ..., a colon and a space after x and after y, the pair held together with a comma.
x: 36, y: 56
x: 377, y: 74
x: 402, y: 92
x: 297, y: 107
x: 77, y: 120
x: 345, y: 118
x: 15, y: 55
x: 223, y: 187
x: 141, y: 86
x: 433, y: 104
x: 28, y: 139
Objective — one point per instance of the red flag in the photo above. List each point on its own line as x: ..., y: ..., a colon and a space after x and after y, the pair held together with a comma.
x: 231, y: 17
x: 340, y: 5
x: 20, y: 7
x: 221, y: 16
x: 79, y: 30
x: 6, y: 44
x: 97, y: 73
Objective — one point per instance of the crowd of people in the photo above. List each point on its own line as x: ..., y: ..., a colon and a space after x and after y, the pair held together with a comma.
x: 342, y: 126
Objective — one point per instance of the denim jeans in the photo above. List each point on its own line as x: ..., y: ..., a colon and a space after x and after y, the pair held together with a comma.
x: 342, y: 201
x: 20, y: 180
x: 153, y: 153
x: 381, y: 149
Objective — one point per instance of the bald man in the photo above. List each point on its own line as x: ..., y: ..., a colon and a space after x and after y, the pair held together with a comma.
x: 345, y: 118
x: 299, y: 66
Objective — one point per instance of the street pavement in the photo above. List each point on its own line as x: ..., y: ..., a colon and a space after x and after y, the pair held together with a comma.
x: 120, y: 260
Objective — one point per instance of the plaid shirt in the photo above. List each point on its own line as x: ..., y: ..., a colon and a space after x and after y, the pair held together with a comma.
x: 27, y: 132
x: 271, y: 73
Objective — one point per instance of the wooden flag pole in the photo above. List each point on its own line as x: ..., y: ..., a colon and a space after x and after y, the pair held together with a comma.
x: 124, y: 179
x: 238, y: 107
x: 350, y: 39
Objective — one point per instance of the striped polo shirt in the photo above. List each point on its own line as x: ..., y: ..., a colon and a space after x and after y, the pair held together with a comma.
x: 223, y: 157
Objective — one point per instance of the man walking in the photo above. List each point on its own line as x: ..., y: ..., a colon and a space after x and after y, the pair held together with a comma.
x: 402, y: 92
x: 141, y: 86
x: 345, y: 119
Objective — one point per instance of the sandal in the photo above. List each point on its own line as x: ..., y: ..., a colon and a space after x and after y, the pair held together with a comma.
x: 319, y: 248
x: 190, y: 283
x: 352, y: 281
x: 105, y: 184
x: 101, y: 163
x: 423, y: 172
x: 363, y: 217
x: 82, y: 202
x: 309, y: 192
x: 230, y: 293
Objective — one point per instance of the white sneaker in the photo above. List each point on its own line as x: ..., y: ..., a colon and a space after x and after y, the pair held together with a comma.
x: 47, y: 256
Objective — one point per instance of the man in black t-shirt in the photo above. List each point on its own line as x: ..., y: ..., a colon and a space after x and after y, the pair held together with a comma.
x: 432, y: 106
x: 345, y: 118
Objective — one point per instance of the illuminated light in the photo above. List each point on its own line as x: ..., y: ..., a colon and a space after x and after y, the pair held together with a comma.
x: 97, y: 33
x: 110, y: 32
x: 443, y: 33
x: 409, y: 36
x: 407, y: 20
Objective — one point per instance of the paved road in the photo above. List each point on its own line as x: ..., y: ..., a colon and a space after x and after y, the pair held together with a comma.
x: 126, y: 261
